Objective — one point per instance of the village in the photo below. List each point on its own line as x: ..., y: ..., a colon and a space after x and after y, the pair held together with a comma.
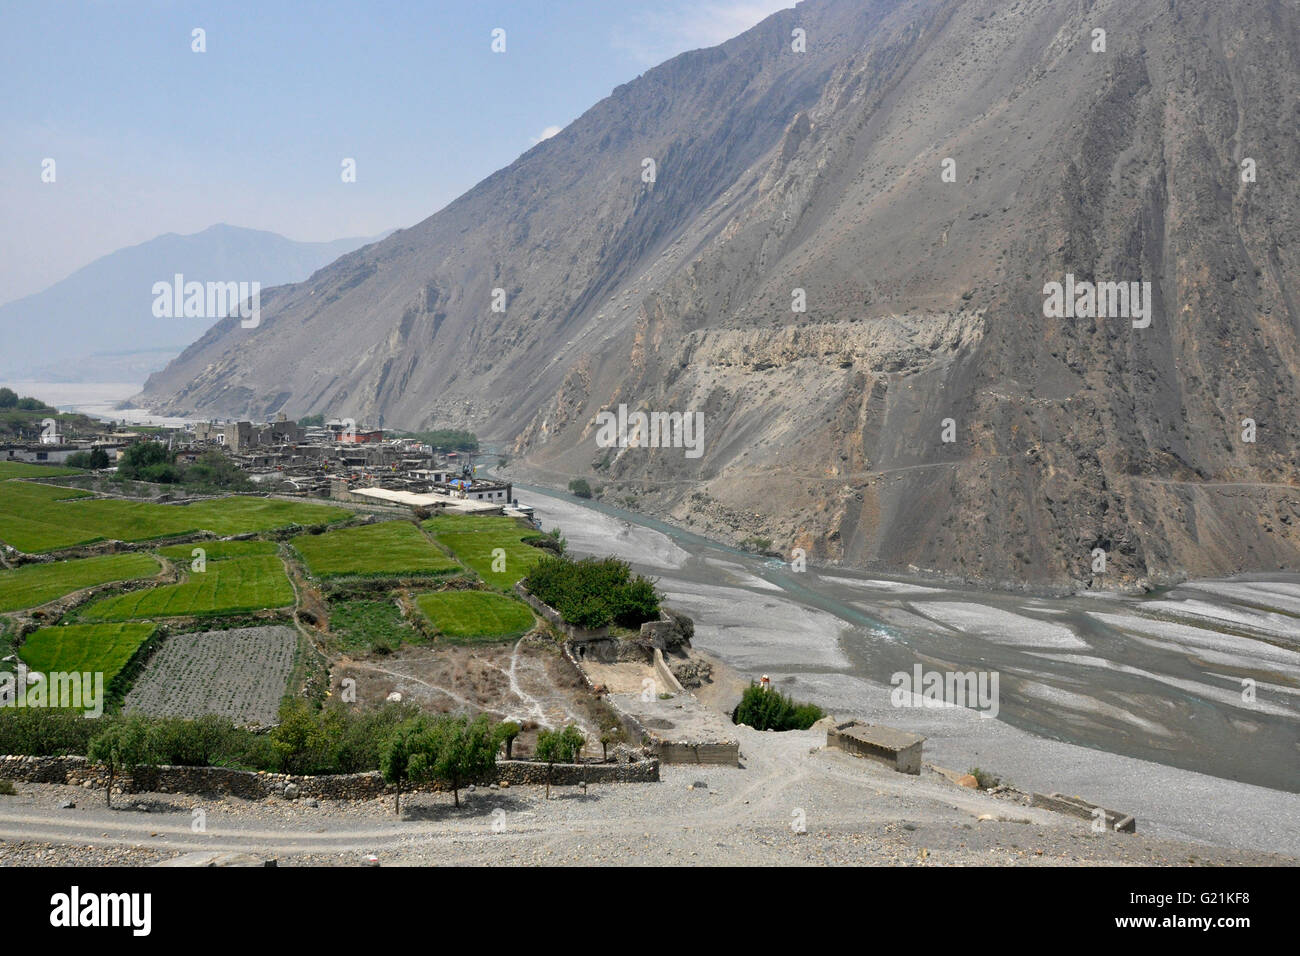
x: 330, y: 459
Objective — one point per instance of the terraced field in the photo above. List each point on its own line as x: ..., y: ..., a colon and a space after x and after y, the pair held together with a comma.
x: 218, y: 550
x: 35, y: 584
x: 387, y: 549
x: 37, y: 518
x: 102, y: 648
x: 230, y: 586
x: 22, y: 469
x: 475, y: 541
x: 471, y: 616
x: 240, y: 674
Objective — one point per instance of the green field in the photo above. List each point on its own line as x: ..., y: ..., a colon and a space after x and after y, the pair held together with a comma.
x: 34, y: 584
x: 467, y: 616
x: 363, y: 626
x: 218, y: 550
x: 34, y: 519
x: 231, y: 586
x: 22, y: 469
x: 102, y: 648
x: 473, y: 539
x: 388, y: 549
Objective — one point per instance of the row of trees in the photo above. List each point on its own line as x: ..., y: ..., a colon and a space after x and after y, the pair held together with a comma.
x: 453, y: 750
x: 406, y: 746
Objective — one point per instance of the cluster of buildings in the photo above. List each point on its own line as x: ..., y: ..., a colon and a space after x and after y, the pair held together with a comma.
x: 336, y: 459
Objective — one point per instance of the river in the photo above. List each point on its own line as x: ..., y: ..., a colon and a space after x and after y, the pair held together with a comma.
x: 1181, y: 707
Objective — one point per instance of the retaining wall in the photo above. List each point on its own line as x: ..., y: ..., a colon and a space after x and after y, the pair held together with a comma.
x: 77, y: 771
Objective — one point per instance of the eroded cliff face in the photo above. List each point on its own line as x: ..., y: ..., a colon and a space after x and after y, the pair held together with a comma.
x: 818, y: 180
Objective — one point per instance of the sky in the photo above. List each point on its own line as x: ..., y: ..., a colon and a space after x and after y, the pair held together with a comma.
x: 149, y: 136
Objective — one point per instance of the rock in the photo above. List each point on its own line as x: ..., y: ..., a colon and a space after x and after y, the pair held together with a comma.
x: 968, y: 780
x: 505, y: 784
x: 292, y: 791
x: 313, y: 802
x: 67, y: 805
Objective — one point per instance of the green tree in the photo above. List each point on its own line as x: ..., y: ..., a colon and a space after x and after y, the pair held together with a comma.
x: 580, y: 488
x: 304, y: 741
x: 398, y: 748
x: 213, y: 469
x: 559, y: 746
x: 506, y: 732
x: 8, y: 398
x: 456, y: 751
x: 123, y: 746
x: 148, y: 461
x: 94, y: 459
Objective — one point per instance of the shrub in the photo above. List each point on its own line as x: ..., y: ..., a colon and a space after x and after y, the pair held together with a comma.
x: 93, y: 459
x: 580, y: 488
x: 772, y: 710
x: 7, y: 788
x: 46, y: 732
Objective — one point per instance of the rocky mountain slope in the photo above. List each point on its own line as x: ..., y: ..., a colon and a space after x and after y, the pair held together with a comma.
x: 823, y: 171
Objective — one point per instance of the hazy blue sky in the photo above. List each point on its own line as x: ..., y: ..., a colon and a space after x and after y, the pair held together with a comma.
x: 149, y: 137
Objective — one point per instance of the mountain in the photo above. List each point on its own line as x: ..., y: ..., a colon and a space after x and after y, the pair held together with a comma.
x: 98, y: 323
x: 927, y: 310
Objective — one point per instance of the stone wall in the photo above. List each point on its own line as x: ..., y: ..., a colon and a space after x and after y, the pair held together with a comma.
x: 78, y: 772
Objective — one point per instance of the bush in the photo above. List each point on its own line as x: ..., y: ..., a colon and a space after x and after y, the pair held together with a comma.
x: 46, y: 732
x: 148, y: 461
x: 594, y: 592
x: 580, y: 487
x: 772, y: 710
x: 7, y: 788
x: 91, y: 460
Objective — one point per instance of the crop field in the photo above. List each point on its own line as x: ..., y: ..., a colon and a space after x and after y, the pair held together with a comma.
x: 388, y: 549
x: 102, y: 648
x: 34, y: 584
x: 362, y: 626
x: 231, y: 586
x: 22, y: 469
x: 218, y: 550
x: 474, y: 540
x: 36, y: 518
x: 467, y: 616
x: 240, y: 674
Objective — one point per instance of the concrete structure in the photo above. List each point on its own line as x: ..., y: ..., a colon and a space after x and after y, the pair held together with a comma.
x: 242, y: 437
x: 895, y: 748
x: 679, y: 729
x: 1077, y: 807
x: 40, y: 453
